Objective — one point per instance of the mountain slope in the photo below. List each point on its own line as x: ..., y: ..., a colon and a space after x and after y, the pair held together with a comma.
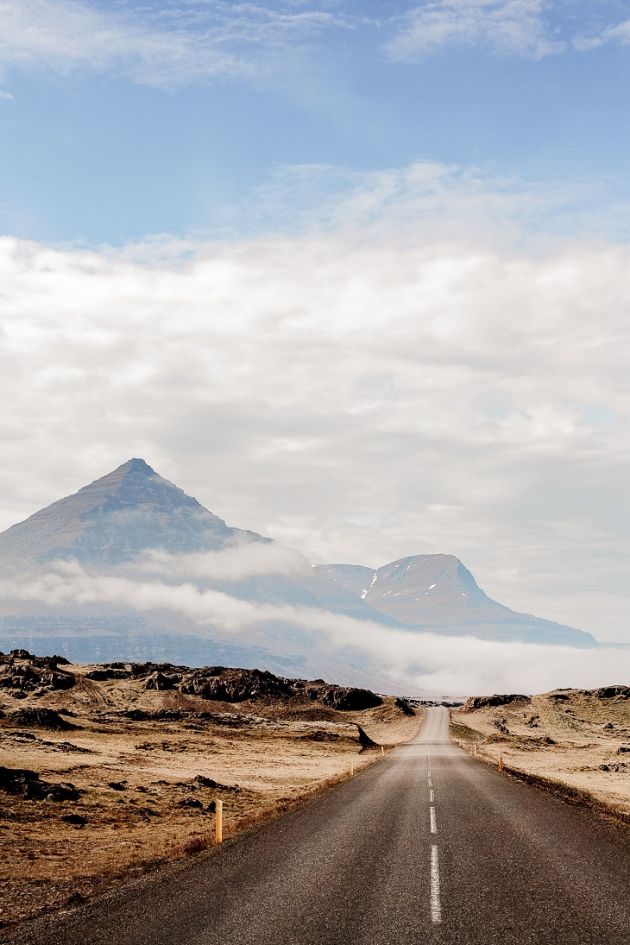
x: 437, y: 593
x: 108, y: 527
x: 116, y: 518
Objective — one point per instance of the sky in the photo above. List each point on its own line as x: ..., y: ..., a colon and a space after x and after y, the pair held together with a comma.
x: 356, y: 275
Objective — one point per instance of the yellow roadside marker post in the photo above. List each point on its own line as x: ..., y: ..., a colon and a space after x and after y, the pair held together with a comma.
x: 218, y: 821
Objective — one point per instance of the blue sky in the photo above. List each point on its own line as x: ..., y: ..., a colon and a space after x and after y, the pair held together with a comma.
x: 124, y: 119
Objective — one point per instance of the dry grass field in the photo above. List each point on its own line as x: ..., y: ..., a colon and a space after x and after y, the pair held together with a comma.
x: 110, y: 776
x: 577, y: 741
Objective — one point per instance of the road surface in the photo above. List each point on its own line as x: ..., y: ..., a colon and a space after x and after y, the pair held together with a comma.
x: 428, y: 847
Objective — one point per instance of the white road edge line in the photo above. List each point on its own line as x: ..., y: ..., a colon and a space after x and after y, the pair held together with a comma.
x: 436, y: 906
x: 433, y: 820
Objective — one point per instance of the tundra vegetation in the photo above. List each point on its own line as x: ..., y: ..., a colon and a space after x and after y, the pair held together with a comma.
x: 114, y: 769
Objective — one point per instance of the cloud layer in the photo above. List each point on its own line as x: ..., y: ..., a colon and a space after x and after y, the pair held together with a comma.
x: 170, y: 45
x: 418, y: 375
x: 409, y: 660
x: 507, y: 27
x: 173, y: 45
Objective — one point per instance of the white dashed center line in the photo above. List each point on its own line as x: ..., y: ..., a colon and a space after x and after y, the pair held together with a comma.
x: 431, y: 796
x: 433, y: 820
x: 436, y: 907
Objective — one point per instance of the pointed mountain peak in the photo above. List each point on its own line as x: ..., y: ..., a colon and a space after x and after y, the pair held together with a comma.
x: 139, y: 466
x: 117, y: 517
x: 135, y: 483
x: 136, y: 468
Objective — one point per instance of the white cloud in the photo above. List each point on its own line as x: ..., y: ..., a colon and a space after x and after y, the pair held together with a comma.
x: 506, y: 27
x: 235, y: 563
x: 419, y: 375
x: 618, y: 34
x: 176, y: 46
x: 428, y: 662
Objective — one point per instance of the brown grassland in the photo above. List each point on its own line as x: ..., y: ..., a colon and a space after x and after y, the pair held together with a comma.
x: 142, y: 789
x: 573, y: 742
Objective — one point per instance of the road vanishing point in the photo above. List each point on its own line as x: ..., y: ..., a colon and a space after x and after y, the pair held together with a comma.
x: 428, y: 847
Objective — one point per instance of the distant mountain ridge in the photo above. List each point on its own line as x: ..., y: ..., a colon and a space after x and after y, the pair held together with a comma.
x: 108, y: 525
x: 437, y: 593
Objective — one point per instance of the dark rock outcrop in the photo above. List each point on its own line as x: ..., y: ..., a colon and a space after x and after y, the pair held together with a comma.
x: 235, y: 685
x: 364, y: 739
x: 484, y: 702
x: 160, y: 680
x: 41, y: 718
x: 610, y: 692
x: 349, y: 699
x: 106, y: 672
x: 28, y: 784
x: 23, y: 673
x: 405, y: 707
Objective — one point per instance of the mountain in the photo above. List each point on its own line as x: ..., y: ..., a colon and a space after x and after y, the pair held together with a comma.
x: 107, y: 527
x: 133, y: 546
x: 116, y: 518
x: 436, y: 593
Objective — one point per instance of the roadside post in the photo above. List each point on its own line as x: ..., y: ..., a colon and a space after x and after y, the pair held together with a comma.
x: 218, y: 821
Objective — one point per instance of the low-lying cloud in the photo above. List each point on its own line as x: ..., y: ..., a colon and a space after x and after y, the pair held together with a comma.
x: 236, y: 563
x: 409, y: 660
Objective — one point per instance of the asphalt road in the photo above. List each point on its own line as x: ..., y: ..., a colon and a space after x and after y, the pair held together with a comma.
x: 429, y: 847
